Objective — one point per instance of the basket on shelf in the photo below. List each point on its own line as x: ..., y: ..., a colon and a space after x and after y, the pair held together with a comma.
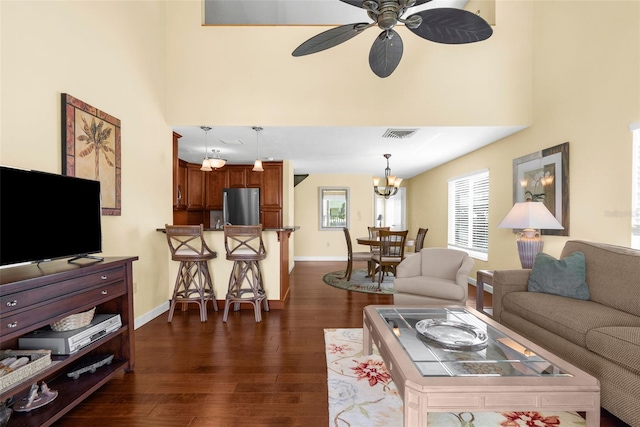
x: 75, y: 321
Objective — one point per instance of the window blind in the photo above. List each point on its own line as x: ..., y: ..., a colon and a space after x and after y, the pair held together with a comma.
x: 469, y: 214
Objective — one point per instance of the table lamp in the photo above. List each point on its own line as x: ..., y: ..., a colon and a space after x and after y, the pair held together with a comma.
x: 529, y: 216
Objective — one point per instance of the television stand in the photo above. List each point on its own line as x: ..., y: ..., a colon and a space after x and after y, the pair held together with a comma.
x: 94, y: 257
x: 34, y: 296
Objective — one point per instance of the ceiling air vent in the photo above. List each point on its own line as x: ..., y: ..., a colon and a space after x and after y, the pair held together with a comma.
x: 399, y: 133
x: 232, y: 141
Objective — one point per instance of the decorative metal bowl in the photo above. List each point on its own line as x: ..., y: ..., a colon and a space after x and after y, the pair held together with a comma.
x: 452, y: 335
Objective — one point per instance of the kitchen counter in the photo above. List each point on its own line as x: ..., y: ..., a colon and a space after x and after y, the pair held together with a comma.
x: 275, y: 268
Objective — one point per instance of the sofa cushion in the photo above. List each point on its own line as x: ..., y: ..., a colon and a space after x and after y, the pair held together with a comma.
x: 431, y: 286
x: 565, y: 277
x: 567, y: 317
x: 619, y: 344
x: 613, y: 273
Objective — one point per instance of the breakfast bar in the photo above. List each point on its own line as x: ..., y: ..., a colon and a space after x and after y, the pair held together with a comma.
x: 275, y: 268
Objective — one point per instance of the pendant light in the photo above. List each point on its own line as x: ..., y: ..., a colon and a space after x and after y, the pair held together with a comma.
x: 206, y: 163
x: 391, y: 182
x: 257, y: 165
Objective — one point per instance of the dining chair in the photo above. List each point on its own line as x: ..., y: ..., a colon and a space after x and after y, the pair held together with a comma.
x: 422, y: 233
x: 391, y: 253
x: 354, y: 256
x: 374, y: 233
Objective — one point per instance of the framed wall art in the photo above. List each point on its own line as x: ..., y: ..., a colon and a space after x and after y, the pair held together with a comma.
x: 333, y: 203
x: 91, y: 149
x: 543, y: 176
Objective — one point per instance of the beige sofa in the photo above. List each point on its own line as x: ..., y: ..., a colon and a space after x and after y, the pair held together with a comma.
x: 433, y: 276
x: 600, y: 336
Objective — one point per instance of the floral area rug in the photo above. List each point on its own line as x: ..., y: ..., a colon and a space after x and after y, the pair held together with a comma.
x: 360, y: 283
x: 362, y: 394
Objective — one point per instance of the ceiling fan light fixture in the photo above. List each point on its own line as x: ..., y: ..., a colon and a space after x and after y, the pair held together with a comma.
x: 206, y: 165
x: 217, y: 162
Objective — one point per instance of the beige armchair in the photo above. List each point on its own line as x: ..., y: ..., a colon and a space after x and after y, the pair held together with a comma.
x: 433, y: 276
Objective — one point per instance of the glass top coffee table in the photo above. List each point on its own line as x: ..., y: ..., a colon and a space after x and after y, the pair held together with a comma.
x: 445, y: 359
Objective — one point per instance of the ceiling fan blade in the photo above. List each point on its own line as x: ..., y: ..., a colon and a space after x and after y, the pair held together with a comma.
x: 356, y: 3
x: 386, y: 53
x: 330, y: 38
x: 452, y: 26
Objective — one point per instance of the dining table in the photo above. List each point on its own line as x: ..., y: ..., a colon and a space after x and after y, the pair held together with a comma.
x: 373, y: 242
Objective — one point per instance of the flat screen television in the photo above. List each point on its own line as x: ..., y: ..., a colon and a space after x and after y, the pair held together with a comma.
x: 45, y: 216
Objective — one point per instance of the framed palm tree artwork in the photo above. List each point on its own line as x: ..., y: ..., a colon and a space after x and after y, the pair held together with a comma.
x: 91, y: 149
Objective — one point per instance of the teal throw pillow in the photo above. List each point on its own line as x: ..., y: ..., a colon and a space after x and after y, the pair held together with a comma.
x: 566, y: 277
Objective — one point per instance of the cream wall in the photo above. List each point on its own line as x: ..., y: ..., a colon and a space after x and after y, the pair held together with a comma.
x: 586, y: 85
x: 313, y: 244
x: 246, y: 75
x: 153, y: 66
x: 111, y: 55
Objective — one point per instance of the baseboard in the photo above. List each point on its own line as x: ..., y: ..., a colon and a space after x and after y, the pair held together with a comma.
x: 316, y: 258
x: 486, y: 288
x: 150, y: 315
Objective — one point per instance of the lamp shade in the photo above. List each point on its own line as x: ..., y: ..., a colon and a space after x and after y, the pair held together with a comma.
x: 530, y: 215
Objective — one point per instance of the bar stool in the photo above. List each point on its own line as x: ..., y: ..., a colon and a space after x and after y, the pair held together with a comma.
x: 245, y: 248
x: 193, y: 283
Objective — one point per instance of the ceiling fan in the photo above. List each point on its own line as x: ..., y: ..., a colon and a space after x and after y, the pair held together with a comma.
x: 440, y: 25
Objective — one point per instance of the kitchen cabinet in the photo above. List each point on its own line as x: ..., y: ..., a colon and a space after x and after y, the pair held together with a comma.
x: 181, y: 185
x: 215, y: 182
x: 179, y: 176
x: 243, y: 176
x: 271, y: 217
x: 195, y: 187
x: 271, y: 185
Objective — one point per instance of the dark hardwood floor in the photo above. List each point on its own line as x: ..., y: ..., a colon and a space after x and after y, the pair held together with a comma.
x: 241, y: 373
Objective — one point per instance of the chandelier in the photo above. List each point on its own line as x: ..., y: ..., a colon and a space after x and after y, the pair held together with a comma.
x: 391, y: 182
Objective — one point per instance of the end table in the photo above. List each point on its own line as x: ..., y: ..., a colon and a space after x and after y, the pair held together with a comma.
x: 482, y: 277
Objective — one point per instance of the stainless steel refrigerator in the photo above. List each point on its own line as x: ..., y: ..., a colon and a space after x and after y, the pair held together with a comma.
x: 241, y: 206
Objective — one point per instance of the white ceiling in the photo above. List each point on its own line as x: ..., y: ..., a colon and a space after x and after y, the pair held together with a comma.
x: 359, y: 150
x: 314, y: 150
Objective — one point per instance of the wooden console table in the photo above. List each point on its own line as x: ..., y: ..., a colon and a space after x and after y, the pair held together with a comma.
x: 34, y: 296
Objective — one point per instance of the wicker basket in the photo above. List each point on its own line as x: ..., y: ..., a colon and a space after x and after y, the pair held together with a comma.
x: 38, y: 361
x: 75, y: 321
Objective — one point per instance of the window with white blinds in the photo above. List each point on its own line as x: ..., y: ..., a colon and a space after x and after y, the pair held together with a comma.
x: 635, y: 185
x: 469, y: 214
